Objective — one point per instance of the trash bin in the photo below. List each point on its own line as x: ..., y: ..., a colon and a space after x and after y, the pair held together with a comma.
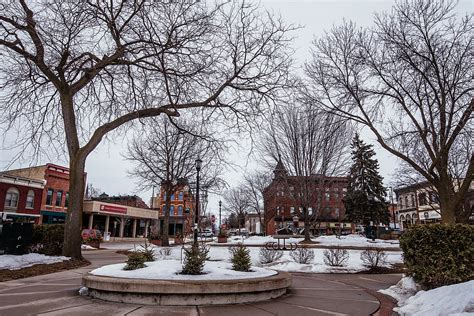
x: 106, y: 236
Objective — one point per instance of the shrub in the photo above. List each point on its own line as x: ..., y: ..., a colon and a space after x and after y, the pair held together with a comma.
x: 194, y: 259
x: 240, y: 258
x: 336, y: 257
x: 136, y: 260
x: 439, y: 254
x: 147, y: 251
x: 165, y: 251
x: 302, y: 255
x: 269, y: 255
x: 373, y: 257
x: 48, y: 239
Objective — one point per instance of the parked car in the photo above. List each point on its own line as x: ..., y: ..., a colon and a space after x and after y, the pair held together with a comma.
x: 206, y: 233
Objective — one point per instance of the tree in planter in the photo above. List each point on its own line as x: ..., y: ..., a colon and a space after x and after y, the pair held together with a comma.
x: 241, y: 260
x: 408, y: 79
x: 74, y: 72
x: 194, y: 259
x: 365, y: 198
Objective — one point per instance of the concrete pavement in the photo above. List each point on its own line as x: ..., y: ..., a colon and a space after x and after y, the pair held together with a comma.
x: 310, y: 294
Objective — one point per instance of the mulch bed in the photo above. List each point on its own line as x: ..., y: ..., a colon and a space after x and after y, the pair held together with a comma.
x: 40, y: 269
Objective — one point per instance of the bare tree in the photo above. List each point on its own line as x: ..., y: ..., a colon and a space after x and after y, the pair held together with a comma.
x: 165, y: 156
x: 409, y: 79
x: 73, y: 72
x: 237, y: 202
x: 254, y: 185
x: 312, y: 146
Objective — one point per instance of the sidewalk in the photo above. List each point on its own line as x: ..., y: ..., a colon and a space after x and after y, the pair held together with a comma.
x: 310, y: 294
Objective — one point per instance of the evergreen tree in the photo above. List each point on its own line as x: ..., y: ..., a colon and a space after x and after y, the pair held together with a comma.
x: 365, y: 198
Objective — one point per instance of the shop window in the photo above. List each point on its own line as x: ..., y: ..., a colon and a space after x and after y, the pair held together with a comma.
x: 59, y: 198
x: 30, y: 199
x: 49, y: 197
x: 11, y: 199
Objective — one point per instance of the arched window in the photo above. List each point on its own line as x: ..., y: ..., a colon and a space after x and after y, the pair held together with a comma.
x: 11, y: 199
x: 180, y: 210
x: 30, y: 199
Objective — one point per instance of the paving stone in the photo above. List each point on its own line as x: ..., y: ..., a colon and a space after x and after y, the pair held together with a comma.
x: 165, y: 311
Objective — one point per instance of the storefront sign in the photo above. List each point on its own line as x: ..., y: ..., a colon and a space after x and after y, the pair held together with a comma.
x: 113, y: 209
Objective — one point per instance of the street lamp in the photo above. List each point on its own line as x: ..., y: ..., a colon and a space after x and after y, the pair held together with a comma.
x: 220, y: 223
x: 196, y: 213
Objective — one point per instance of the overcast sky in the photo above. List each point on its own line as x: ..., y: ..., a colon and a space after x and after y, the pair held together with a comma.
x: 106, y: 168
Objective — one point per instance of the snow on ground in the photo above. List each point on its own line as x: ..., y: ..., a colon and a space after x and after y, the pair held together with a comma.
x: 356, y: 241
x: 456, y: 299
x: 13, y: 262
x: 169, y: 270
x: 285, y: 263
x: 87, y: 247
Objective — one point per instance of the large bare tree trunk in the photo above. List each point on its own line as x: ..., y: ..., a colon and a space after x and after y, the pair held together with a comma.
x: 73, y: 225
x: 307, y: 237
x: 165, y: 240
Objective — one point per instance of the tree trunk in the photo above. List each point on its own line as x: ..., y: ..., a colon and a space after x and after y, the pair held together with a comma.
x: 307, y: 237
x: 165, y: 239
x: 446, y: 199
x: 73, y: 225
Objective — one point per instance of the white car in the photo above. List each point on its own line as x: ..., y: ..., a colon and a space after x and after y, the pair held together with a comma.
x: 206, y: 233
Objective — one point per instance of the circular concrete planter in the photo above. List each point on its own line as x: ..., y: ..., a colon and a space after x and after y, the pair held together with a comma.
x: 186, y: 292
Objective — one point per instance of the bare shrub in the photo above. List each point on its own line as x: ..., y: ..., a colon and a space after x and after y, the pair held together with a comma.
x: 373, y: 257
x: 302, y: 255
x: 147, y: 251
x: 336, y: 257
x: 269, y: 255
x: 165, y: 251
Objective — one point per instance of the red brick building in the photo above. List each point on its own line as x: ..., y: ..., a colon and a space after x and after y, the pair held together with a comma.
x: 20, y: 198
x: 55, y: 195
x: 281, y: 202
x: 181, y: 209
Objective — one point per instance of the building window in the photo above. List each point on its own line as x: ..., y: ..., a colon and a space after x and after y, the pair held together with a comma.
x: 180, y: 196
x: 30, y: 199
x: 422, y: 198
x: 11, y: 199
x: 66, y: 203
x: 180, y: 210
x: 59, y: 198
x: 172, y: 210
x: 172, y: 197
x: 412, y: 200
x: 328, y: 196
x: 406, y: 201
x: 49, y: 197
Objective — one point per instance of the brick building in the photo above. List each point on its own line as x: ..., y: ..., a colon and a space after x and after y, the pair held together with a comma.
x: 20, y: 198
x: 280, y: 202
x: 128, y: 200
x: 181, y: 209
x: 55, y: 195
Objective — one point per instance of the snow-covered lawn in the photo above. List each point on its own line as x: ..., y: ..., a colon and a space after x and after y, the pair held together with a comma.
x: 169, y: 270
x: 457, y: 299
x: 285, y: 263
x: 12, y: 262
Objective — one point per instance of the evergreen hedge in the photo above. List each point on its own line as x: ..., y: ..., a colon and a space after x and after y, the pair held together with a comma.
x: 48, y: 239
x: 437, y: 255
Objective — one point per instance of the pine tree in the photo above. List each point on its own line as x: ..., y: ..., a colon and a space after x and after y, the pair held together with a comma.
x: 241, y: 260
x: 365, y: 198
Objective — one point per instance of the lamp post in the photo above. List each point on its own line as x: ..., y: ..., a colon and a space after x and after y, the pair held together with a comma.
x: 196, y: 213
x: 220, y: 223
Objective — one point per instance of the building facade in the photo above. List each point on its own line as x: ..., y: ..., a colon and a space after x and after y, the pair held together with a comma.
x: 55, y: 195
x: 127, y: 200
x: 20, y: 198
x: 326, y: 199
x: 181, y: 209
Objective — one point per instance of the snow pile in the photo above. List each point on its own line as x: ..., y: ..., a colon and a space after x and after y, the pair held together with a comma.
x: 84, y: 291
x: 401, y: 291
x: 12, y: 262
x: 87, y: 247
x: 445, y: 300
x: 170, y: 269
x: 356, y: 241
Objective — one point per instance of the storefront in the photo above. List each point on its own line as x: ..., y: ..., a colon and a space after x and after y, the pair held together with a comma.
x: 118, y: 220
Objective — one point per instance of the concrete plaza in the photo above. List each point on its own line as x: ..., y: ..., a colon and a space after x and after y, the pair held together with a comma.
x: 310, y: 294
